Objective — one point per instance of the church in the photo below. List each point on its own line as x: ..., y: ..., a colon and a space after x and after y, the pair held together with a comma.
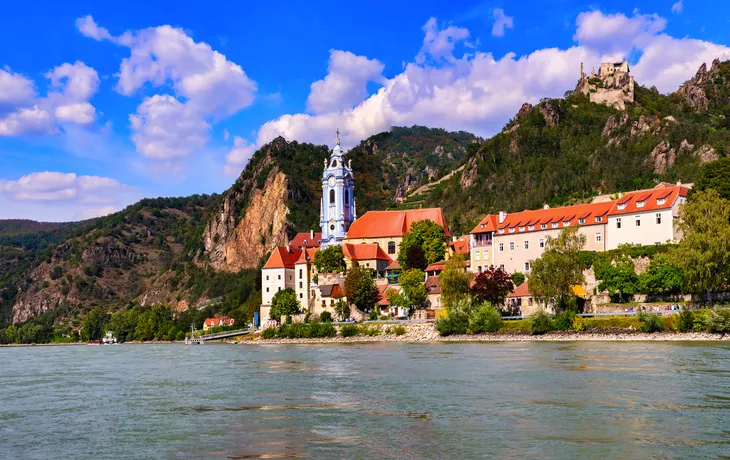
x: 372, y: 241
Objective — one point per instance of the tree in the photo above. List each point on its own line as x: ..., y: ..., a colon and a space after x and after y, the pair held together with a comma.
x: 360, y: 288
x: 415, y: 258
x: 619, y: 278
x: 559, y: 268
x: 330, y: 260
x: 427, y: 235
x: 518, y: 278
x: 454, y: 281
x: 661, y: 277
x: 715, y: 175
x: 492, y: 285
x: 413, y: 291
x: 703, y: 254
x: 342, y: 309
x: 93, y: 325
x: 284, y: 303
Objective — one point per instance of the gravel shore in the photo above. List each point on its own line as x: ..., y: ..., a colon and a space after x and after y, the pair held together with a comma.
x: 427, y: 333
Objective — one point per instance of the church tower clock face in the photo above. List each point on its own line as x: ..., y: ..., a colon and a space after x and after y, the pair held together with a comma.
x: 331, y: 181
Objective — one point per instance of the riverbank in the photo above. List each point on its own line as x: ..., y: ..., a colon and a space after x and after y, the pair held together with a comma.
x: 427, y: 333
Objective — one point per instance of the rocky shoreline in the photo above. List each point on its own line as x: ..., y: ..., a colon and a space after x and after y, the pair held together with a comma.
x: 427, y: 333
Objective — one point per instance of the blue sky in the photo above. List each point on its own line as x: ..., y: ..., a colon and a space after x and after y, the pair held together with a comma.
x: 102, y: 104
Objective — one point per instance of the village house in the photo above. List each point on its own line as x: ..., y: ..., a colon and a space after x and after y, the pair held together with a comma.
x: 215, y: 322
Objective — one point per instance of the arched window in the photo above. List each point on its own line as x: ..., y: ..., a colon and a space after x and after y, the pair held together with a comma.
x: 391, y: 247
x: 332, y: 196
x: 347, y: 197
x: 334, y: 163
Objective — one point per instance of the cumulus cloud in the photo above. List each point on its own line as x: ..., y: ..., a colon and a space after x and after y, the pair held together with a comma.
x: 501, y: 22
x: 15, y: 89
x: 479, y: 92
x: 678, y: 7
x: 346, y: 82
x: 27, y: 120
x: 50, y: 186
x: 207, y: 87
x: 237, y: 158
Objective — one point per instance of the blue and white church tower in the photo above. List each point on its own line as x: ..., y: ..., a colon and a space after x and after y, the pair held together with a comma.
x: 337, y: 208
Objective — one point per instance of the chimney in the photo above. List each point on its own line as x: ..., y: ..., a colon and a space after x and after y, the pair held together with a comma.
x: 311, y: 234
x: 453, y: 238
x: 620, y: 195
x: 547, y: 206
x: 288, y: 248
x: 679, y: 183
x: 502, y: 216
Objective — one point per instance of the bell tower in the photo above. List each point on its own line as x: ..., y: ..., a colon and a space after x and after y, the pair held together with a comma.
x: 337, y: 207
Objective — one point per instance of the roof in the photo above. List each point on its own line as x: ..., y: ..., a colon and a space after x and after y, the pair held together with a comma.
x: 441, y: 265
x: 307, y: 256
x: 283, y: 257
x: 379, y: 224
x: 523, y: 290
x: 217, y: 321
x: 305, y: 240
x: 331, y: 290
x: 382, y: 289
x: 629, y: 203
x: 461, y: 245
x: 368, y: 251
x: 488, y: 224
x: 394, y: 266
x: 433, y: 284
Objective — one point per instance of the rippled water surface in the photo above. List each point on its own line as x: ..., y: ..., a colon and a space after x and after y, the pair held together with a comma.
x: 536, y: 400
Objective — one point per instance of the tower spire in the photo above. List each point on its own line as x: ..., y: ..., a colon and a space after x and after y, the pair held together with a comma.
x: 338, y: 136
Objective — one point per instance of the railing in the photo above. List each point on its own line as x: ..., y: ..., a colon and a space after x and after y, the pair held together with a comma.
x: 218, y: 335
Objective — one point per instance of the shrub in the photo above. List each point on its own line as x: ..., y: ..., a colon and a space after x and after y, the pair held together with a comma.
x: 269, y: 333
x: 485, y: 318
x: 541, y: 323
x: 457, y: 319
x: 373, y: 315
x: 700, y: 322
x: 319, y: 329
x: 718, y: 320
x: 348, y: 330
x: 578, y: 325
x: 685, y: 321
x: 369, y: 330
x: 564, y: 320
x: 325, y: 317
x: 399, y: 330
x: 651, y: 322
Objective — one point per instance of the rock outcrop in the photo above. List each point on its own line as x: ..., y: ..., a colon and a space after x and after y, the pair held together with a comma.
x: 699, y: 90
x: 613, y: 85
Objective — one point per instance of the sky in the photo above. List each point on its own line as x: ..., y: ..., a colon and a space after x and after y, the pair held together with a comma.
x: 105, y: 103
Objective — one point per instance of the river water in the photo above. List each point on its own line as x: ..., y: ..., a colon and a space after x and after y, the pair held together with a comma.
x: 375, y: 400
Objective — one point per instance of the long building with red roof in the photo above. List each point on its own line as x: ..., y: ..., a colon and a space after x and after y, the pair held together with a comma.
x: 513, y: 240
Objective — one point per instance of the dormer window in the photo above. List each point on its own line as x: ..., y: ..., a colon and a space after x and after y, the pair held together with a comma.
x: 531, y: 227
x: 554, y: 225
x: 484, y: 225
x: 511, y: 229
x: 599, y: 219
x: 522, y: 229
x: 501, y: 230
x: 581, y: 221
x: 640, y: 204
x: 543, y: 226
x: 566, y: 223
x: 622, y: 206
x: 661, y: 201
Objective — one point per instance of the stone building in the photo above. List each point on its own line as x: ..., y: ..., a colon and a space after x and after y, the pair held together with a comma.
x: 613, y: 85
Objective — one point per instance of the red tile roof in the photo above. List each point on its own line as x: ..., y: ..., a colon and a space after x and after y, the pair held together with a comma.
x: 222, y: 321
x: 283, y: 257
x: 380, y: 224
x: 650, y: 198
x: 365, y: 252
x: 307, y: 255
x: 461, y: 245
x: 433, y: 284
x: 523, y: 290
x: 394, y: 266
x: 305, y: 240
x: 383, y: 298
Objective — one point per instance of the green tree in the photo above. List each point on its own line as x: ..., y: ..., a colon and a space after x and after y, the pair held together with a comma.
x: 123, y: 323
x: 619, y: 278
x: 559, y: 268
x: 330, y: 260
x: 360, y: 288
x: 454, y: 281
x: 415, y: 258
x: 661, y: 277
x: 427, y: 235
x: 413, y: 290
x: 492, y: 285
x: 93, y: 325
x: 715, y: 175
x: 518, y: 278
x: 146, y: 326
x: 284, y: 303
x: 703, y: 254
x: 342, y: 309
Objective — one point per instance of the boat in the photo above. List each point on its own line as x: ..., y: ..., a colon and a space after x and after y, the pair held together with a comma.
x: 109, y: 338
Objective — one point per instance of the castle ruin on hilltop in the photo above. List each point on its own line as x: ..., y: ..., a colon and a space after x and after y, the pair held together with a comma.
x: 613, y: 85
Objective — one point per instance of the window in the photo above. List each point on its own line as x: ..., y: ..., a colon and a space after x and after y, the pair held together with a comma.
x: 486, y: 255
x: 267, y: 289
x: 566, y: 223
x: 622, y: 206
x: 543, y: 226
x: 658, y: 219
x: 334, y: 164
x: 581, y: 221
x: 541, y: 242
x: 522, y: 229
x: 638, y: 221
x: 640, y: 204
x: 279, y: 276
x: 301, y: 285
x: 301, y: 296
x: 598, y: 237
x: 332, y: 227
x: 501, y: 247
x: 529, y: 301
x: 332, y: 196
x: 661, y: 201
x: 512, y: 230
x: 527, y: 244
x: 279, y: 289
x: 511, y: 245
x: 267, y: 277
x: 301, y: 273
x: 391, y: 247
x: 479, y: 268
x: 347, y: 197
x: 289, y: 277
x: 531, y: 227
x: 478, y: 255
x: 554, y: 225
x: 501, y: 266
x: 618, y: 222
x: 599, y: 219
x: 501, y: 230
x: 527, y: 266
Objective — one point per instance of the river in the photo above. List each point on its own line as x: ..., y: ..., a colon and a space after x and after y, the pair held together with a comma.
x: 376, y: 400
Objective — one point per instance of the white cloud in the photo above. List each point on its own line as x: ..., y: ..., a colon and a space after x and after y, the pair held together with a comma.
x: 439, y: 44
x: 90, y: 213
x: 27, y: 120
x: 346, y: 82
x: 501, y: 22
x: 237, y: 158
x: 166, y: 129
x: 81, y: 113
x: 74, y: 82
x: 479, y: 93
x: 15, y: 89
x: 207, y: 88
x: 50, y: 186
x: 678, y: 7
